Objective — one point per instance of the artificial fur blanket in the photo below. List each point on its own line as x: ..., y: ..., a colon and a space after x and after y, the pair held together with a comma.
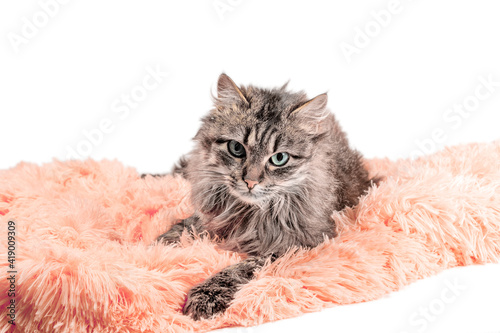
x: 83, y: 230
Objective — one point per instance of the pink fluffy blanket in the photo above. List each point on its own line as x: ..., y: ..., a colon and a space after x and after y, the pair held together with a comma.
x: 83, y: 261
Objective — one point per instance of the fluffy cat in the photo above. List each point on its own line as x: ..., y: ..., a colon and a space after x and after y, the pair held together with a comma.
x: 268, y: 169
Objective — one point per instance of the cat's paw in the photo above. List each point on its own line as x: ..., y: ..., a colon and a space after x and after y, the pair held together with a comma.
x: 168, y: 238
x: 155, y: 175
x: 207, y: 299
x: 172, y: 236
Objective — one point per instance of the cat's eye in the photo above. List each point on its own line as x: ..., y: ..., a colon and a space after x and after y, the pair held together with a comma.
x: 236, y: 149
x: 279, y: 159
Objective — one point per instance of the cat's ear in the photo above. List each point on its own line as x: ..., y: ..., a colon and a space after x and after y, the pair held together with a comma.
x: 313, y: 110
x: 283, y: 87
x: 228, y: 90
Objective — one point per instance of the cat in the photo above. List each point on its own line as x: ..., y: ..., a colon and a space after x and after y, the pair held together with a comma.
x: 268, y: 169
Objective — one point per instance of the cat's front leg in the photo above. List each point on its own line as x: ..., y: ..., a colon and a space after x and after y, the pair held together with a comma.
x: 214, y: 295
x: 174, y: 234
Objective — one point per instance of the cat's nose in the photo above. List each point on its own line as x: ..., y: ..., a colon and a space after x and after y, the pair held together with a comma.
x: 251, y: 183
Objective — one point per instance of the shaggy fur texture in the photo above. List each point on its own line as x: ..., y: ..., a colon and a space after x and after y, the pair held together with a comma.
x: 84, y: 263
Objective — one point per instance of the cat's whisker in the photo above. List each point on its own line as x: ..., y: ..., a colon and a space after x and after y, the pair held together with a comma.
x: 205, y: 194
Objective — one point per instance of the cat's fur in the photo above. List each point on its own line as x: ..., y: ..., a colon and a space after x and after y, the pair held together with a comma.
x: 290, y: 206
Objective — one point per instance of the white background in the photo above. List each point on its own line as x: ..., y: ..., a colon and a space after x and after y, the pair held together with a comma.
x: 63, y: 75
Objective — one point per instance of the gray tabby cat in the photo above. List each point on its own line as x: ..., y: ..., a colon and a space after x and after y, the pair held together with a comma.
x: 268, y: 169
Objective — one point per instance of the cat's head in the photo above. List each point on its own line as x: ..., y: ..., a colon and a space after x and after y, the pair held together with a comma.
x: 258, y: 143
